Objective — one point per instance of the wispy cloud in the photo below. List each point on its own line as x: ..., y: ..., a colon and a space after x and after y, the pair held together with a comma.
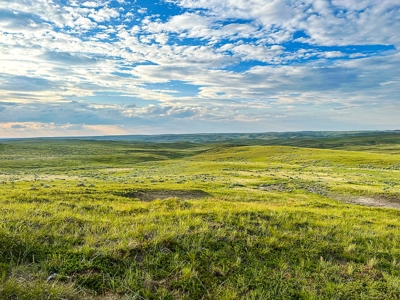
x: 189, y: 66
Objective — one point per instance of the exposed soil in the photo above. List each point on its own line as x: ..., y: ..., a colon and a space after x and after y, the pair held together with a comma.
x: 166, y: 194
x: 368, y: 201
x: 320, y: 190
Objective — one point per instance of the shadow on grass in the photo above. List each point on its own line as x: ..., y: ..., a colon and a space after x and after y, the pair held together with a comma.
x: 151, y: 195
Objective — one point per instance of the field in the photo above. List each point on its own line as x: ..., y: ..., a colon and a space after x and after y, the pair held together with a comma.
x: 309, y: 217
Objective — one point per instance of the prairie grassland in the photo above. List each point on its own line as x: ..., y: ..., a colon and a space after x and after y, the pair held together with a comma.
x: 123, y: 220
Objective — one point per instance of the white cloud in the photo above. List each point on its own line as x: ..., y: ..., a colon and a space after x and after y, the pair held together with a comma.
x: 333, y: 54
x: 142, y: 10
x: 104, y: 14
x: 92, y: 4
x: 237, y: 53
x: 363, y: 22
x: 39, y: 129
x: 260, y: 53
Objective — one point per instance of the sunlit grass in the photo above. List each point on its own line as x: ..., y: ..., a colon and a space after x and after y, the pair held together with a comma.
x: 267, y: 225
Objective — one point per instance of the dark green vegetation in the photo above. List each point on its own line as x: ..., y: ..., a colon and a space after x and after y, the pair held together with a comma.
x: 84, y: 219
x: 298, y: 138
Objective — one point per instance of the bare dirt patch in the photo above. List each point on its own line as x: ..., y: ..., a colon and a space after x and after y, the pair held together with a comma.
x: 151, y: 195
x: 325, y: 192
x: 369, y: 201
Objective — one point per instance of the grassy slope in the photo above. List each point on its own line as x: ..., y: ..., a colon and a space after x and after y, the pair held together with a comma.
x: 70, y: 229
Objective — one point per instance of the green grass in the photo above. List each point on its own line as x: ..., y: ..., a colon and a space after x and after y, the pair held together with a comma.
x: 78, y: 221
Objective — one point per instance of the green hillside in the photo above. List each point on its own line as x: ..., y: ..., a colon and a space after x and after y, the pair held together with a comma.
x: 86, y: 219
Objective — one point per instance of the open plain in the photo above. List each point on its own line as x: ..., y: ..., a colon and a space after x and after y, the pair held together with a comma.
x: 284, y: 218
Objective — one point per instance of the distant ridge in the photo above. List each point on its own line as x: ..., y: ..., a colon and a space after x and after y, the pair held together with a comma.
x: 222, y: 137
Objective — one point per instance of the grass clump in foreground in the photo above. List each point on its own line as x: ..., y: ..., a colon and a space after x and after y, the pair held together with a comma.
x: 211, y: 223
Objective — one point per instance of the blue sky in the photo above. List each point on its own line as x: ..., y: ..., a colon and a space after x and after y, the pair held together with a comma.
x: 71, y: 67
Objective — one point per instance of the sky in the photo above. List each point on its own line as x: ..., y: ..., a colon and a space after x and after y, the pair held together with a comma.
x: 96, y: 67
